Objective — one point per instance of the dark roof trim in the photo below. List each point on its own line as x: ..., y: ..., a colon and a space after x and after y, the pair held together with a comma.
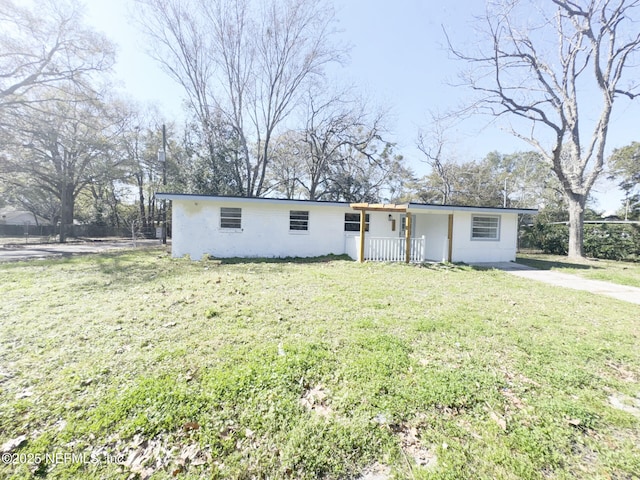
x: 223, y: 198
x: 412, y: 206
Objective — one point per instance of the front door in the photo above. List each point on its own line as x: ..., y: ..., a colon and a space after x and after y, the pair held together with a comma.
x: 403, y: 223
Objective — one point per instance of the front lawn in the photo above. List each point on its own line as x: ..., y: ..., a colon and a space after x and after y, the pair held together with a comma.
x: 622, y: 273
x: 138, y: 363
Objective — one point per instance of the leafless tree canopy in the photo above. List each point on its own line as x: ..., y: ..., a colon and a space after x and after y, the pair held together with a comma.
x: 45, y: 47
x: 553, y: 67
x: 247, y: 62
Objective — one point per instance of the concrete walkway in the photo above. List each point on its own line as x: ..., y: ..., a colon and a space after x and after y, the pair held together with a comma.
x: 621, y: 292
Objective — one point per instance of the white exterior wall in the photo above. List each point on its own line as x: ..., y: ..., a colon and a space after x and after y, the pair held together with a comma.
x: 265, y: 230
x: 476, y: 251
x: 435, y: 228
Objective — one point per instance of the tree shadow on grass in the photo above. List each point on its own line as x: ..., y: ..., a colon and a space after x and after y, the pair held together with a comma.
x: 127, y: 267
x: 241, y: 260
x: 553, y: 264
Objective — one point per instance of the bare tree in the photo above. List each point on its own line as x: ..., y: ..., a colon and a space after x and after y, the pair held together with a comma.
x: 433, y: 144
x: 245, y: 61
x: 287, y: 169
x: 370, y: 176
x: 339, y: 129
x: 555, y: 87
x: 43, y: 48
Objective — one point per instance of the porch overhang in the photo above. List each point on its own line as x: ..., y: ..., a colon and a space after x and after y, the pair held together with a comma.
x: 383, y: 207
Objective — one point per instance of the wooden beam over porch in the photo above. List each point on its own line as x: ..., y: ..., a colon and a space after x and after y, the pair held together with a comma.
x: 380, y: 207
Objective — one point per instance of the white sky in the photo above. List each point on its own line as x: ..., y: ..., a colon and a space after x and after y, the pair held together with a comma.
x: 398, y: 57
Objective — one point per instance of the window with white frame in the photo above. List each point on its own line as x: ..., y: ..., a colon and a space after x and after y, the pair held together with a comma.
x: 352, y: 222
x: 299, y: 220
x: 403, y: 225
x: 485, y: 227
x: 231, y: 218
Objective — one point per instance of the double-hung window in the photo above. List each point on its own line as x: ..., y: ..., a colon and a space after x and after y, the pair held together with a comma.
x: 485, y: 227
x: 231, y: 218
x: 299, y: 220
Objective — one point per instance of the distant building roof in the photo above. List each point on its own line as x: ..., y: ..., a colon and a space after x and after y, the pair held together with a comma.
x: 13, y: 216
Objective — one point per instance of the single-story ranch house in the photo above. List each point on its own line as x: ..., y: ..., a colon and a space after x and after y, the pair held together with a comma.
x: 264, y: 227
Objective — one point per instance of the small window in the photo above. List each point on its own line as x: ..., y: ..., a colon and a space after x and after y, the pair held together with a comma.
x: 230, y: 218
x: 403, y: 225
x: 299, y: 220
x: 485, y: 228
x: 352, y: 222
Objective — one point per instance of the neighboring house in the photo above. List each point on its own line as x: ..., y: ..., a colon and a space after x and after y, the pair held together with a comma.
x: 261, y: 227
x: 11, y: 216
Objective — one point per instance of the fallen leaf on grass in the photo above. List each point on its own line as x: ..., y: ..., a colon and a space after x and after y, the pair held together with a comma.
x: 413, y: 448
x: 313, y: 400
x: 499, y: 419
x: 26, y: 393
x: 190, y: 426
x: 377, y: 471
x: 189, y: 452
x: 513, y: 398
x: 12, y: 444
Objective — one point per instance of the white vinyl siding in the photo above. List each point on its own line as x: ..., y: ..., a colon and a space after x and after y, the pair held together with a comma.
x: 231, y: 218
x: 485, y: 227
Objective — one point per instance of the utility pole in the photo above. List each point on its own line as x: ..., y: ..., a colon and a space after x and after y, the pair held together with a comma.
x: 164, y: 184
x: 504, y: 203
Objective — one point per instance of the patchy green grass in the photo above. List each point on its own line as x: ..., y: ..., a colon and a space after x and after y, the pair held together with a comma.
x: 326, y: 369
x: 622, y: 273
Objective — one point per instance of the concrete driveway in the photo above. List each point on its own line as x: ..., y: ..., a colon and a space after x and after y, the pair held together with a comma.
x: 621, y: 292
x: 17, y: 252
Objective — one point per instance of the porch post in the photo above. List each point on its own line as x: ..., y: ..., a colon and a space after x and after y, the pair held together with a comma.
x: 363, y: 222
x: 407, y: 237
x: 450, y: 255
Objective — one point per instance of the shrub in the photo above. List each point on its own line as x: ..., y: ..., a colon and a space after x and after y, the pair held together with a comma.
x: 601, y: 240
x: 552, y: 239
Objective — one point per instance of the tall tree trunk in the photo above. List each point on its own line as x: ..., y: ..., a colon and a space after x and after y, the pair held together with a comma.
x: 576, y: 225
x: 143, y: 216
x: 67, y: 201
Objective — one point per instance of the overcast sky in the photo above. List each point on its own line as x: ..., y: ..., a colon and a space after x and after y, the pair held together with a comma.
x: 398, y: 58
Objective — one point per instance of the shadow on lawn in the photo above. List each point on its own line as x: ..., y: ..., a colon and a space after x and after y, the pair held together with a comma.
x: 241, y: 260
x: 551, y: 264
x: 127, y: 267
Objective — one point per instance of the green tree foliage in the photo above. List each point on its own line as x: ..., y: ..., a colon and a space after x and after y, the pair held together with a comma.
x: 517, y: 180
x: 55, y: 126
x: 64, y: 147
x: 365, y: 177
x: 624, y: 164
x: 605, y: 241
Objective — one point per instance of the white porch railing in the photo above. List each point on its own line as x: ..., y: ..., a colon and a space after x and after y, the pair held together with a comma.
x: 393, y: 249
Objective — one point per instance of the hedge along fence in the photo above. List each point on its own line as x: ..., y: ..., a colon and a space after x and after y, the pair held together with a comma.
x: 607, y: 241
